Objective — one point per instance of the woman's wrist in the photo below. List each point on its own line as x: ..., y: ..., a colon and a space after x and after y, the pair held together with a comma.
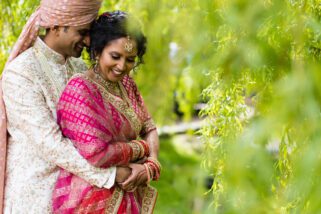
x: 145, y: 148
x: 136, y: 151
x: 155, y: 168
x: 140, y: 149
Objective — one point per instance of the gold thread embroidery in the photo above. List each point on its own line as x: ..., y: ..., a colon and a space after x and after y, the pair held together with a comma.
x: 149, y: 200
x: 115, y: 201
x: 119, y: 104
x: 148, y: 126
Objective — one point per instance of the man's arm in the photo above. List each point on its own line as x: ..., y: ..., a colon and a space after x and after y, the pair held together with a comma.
x: 27, y: 110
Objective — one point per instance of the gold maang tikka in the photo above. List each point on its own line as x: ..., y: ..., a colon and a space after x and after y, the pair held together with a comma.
x: 128, y: 45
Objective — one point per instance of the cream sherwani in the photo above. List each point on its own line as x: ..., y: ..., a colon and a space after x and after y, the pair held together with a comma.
x: 32, y: 84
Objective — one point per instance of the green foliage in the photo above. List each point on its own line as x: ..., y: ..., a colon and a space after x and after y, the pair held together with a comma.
x: 270, y: 49
x: 13, y: 18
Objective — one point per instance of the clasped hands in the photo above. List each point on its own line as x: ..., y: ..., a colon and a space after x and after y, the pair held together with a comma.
x: 131, y: 176
x: 143, y: 167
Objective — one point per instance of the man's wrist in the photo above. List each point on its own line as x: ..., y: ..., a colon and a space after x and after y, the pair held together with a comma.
x: 110, y: 178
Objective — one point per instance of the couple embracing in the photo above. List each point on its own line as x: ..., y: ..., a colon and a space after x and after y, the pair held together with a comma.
x: 79, y: 140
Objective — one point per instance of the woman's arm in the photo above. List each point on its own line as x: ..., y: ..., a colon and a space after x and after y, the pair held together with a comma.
x: 152, y: 140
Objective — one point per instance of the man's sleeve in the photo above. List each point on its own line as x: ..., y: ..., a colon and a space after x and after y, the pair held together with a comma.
x: 28, y: 111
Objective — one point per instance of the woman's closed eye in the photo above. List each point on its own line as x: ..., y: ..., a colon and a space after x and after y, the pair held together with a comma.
x: 115, y: 57
x: 130, y: 60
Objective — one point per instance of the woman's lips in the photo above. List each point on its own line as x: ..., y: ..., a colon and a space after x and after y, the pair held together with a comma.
x: 117, y: 72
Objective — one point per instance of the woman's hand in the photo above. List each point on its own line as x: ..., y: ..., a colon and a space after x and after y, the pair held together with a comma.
x: 122, y: 173
x: 141, y: 161
x: 137, y: 177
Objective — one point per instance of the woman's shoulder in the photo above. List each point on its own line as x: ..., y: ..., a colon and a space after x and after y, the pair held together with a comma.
x: 80, y: 88
x: 129, y: 82
x: 81, y: 81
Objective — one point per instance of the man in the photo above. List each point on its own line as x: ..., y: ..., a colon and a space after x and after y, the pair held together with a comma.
x: 32, y: 82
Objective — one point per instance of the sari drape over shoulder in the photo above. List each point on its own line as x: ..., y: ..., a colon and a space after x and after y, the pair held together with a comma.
x: 100, y: 125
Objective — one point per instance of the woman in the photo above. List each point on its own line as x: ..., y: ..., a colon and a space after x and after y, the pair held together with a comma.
x: 104, y: 115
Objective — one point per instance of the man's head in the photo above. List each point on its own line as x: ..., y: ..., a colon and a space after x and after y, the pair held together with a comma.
x: 77, y: 14
x: 68, y: 41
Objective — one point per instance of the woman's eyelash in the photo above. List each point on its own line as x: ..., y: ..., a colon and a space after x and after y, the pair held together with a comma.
x: 115, y: 57
x: 118, y: 57
x: 131, y: 60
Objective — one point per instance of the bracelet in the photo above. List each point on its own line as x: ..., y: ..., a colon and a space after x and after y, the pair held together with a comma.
x: 148, y: 173
x: 146, y: 147
x: 141, y: 148
x: 151, y: 172
x: 136, y: 150
x: 155, y: 167
x: 155, y: 162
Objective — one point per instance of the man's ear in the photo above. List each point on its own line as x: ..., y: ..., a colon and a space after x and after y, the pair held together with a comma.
x: 55, y: 30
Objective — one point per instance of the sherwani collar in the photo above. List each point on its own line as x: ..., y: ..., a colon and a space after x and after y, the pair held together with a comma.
x: 49, y: 53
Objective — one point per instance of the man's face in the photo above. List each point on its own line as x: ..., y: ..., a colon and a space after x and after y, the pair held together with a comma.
x: 72, y: 40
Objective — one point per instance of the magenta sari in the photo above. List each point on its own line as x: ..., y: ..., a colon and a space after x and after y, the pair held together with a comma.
x: 100, y: 124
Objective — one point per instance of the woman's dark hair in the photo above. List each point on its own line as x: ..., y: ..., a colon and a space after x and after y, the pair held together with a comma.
x: 114, y: 25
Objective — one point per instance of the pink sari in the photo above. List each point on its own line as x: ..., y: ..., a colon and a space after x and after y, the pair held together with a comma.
x: 100, y: 124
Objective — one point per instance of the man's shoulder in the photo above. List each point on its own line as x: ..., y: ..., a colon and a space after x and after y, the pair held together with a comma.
x: 78, y: 64
x: 24, y: 63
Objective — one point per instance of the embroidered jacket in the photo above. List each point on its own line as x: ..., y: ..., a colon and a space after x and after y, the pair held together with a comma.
x: 32, y: 84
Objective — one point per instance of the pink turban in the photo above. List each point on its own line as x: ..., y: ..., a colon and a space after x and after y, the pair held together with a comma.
x: 55, y: 13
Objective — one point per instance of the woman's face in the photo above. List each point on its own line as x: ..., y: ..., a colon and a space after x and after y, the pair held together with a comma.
x: 117, y: 59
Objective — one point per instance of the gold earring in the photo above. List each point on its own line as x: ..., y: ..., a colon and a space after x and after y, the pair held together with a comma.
x: 96, y: 65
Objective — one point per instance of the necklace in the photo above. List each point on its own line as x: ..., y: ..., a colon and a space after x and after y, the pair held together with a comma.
x: 111, y: 87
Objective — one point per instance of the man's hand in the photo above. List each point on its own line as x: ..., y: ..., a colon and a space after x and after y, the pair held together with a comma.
x: 122, y: 173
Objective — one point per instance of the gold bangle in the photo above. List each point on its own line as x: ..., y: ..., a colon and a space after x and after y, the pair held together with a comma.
x: 141, y: 147
x: 156, y: 162
x: 135, y: 149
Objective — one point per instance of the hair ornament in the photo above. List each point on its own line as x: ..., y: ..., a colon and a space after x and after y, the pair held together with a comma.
x: 129, y: 45
x: 114, y: 15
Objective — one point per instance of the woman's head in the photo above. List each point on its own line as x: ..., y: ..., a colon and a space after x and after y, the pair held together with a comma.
x: 115, y: 45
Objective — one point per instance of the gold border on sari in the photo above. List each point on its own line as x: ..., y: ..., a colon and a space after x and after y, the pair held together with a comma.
x: 115, y: 201
x: 123, y: 106
x: 149, y: 200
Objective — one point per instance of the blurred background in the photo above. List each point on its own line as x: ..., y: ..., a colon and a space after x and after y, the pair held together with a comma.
x: 234, y: 87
